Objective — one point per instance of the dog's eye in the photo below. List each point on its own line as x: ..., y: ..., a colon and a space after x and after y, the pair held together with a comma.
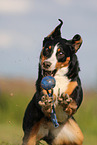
x: 47, y: 51
x: 61, y: 56
x: 61, y: 53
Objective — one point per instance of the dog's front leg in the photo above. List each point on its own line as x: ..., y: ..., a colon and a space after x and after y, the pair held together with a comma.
x: 68, y: 104
x: 31, y: 139
x: 46, y: 103
x: 38, y: 131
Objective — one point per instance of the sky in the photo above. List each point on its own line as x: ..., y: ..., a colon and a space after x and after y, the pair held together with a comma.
x: 25, y: 23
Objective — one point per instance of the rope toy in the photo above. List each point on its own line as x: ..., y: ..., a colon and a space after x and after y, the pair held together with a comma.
x: 48, y: 83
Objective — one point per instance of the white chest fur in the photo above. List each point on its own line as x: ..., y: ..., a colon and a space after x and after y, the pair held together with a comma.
x: 61, y: 81
x: 61, y: 84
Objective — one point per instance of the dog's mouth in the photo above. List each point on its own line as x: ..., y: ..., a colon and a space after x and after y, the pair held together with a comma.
x: 49, y: 73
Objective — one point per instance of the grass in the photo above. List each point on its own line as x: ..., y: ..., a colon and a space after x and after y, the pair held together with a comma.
x: 87, y: 118
x: 11, y: 115
x: 14, y: 97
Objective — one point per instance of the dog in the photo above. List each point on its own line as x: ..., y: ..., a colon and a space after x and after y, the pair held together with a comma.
x: 57, y: 59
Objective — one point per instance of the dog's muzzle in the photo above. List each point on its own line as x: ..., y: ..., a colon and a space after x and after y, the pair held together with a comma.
x: 46, y: 64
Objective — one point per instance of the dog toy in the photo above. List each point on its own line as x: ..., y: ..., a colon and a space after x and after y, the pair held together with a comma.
x: 48, y: 83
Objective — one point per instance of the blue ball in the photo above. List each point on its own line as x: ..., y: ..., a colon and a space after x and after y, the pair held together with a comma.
x: 48, y: 82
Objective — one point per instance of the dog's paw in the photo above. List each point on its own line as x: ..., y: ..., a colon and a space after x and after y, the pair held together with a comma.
x: 68, y: 104
x: 46, y: 104
x: 64, y: 100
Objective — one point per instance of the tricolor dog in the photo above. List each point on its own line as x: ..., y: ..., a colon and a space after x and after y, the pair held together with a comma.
x: 58, y: 59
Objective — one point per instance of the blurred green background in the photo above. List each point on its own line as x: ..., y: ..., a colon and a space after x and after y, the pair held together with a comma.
x: 15, y: 94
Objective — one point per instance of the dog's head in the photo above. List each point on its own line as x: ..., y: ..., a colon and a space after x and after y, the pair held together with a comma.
x: 57, y: 53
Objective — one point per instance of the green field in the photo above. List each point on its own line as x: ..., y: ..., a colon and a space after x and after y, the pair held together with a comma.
x: 14, y: 97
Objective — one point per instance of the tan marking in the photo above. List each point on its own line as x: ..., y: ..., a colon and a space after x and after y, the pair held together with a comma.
x: 77, y: 44
x: 42, y: 57
x: 69, y: 134
x: 50, y: 47
x: 33, y: 134
x: 62, y: 64
x: 58, y: 49
x: 71, y: 87
x: 38, y: 131
x: 71, y: 108
x: 50, y: 91
x: 68, y: 59
x: 44, y: 92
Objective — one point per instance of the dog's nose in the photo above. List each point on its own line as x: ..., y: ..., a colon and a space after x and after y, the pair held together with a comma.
x: 46, y: 64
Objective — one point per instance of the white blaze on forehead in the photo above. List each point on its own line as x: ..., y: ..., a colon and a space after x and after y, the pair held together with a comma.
x: 53, y: 59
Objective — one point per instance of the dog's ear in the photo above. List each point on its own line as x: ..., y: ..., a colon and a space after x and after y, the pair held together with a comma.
x: 55, y: 33
x: 76, y: 42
